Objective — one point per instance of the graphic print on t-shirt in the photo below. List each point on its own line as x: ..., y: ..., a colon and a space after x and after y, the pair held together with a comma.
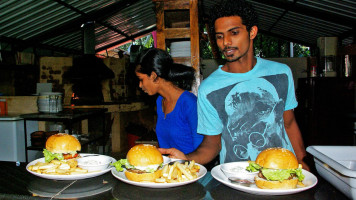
x: 252, y: 114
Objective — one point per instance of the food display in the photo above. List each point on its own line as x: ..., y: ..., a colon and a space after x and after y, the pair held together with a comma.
x: 60, y: 156
x: 144, y: 163
x: 278, y: 169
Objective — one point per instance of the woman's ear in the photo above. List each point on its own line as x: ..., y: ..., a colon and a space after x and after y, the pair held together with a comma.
x: 253, y: 32
x: 153, y: 76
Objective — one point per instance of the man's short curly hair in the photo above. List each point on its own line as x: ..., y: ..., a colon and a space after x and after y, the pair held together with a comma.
x: 228, y: 8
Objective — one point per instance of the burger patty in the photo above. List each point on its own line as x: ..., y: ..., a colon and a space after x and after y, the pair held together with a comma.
x: 260, y: 175
x: 137, y: 171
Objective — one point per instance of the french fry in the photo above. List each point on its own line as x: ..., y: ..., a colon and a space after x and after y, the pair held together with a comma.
x: 50, y: 170
x: 191, y: 164
x: 301, y: 184
x: 160, y: 180
x: 56, y: 162
x: 49, y: 166
x: 179, y: 172
x: 172, y: 181
x: 171, y: 168
x: 56, y: 167
x: 165, y: 171
x: 184, y: 171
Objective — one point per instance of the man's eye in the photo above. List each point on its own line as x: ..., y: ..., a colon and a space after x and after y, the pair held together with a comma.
x: 235, y: 32
x: 219, y: 37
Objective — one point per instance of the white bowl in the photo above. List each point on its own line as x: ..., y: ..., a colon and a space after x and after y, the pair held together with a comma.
x: 237, y: 170
x: 94, y: 163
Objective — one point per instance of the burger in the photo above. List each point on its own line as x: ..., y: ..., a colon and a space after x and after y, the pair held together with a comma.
x: 143, y: 163
x: 61, y: 146
x: 278, y: 169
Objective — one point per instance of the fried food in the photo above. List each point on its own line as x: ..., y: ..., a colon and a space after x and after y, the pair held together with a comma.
x: 56, y: 167
x: 178, y: 172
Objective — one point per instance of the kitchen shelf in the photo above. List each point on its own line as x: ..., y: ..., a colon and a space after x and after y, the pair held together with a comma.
x: 178, y: 20
x: 68, y: 116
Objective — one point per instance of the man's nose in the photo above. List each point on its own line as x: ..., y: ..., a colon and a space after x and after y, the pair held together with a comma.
x: 227, y: 41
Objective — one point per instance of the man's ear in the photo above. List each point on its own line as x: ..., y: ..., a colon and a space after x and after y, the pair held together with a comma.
x: 253, y: 32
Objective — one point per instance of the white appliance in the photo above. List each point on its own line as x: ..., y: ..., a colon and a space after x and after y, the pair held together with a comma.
x: 12, y: 138
x: 337, y: 165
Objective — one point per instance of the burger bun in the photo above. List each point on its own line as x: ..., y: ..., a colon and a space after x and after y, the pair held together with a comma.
x: 285, y: 184
x: 62, y: 143
x: 277, y: 158
x: 144, y: 155
x: 144, y: 177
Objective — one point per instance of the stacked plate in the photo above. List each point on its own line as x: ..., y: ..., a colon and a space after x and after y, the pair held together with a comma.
x: 180, y: 49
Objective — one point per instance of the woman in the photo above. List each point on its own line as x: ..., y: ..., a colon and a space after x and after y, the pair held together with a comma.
x: 176, y: 107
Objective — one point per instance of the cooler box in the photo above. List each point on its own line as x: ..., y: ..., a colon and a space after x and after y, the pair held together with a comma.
x: 337, y: 165
x: 12, y: 139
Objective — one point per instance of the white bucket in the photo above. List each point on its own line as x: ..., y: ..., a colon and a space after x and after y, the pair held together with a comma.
x: 50, y: 102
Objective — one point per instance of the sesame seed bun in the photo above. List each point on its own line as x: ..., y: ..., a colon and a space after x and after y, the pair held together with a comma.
x: 277, y: 158
x: 62, y: 143
x: 144, y: 155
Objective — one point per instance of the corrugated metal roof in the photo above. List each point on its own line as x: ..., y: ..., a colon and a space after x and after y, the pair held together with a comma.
x: 57, y: 24
x: 303, y: 21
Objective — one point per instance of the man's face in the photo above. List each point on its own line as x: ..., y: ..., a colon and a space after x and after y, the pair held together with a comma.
x: 232, y: 37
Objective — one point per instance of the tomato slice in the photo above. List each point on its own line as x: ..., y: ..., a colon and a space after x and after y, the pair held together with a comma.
x: 69, y: 156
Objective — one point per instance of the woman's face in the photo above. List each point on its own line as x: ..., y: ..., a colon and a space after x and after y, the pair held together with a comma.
x: 147, y: 83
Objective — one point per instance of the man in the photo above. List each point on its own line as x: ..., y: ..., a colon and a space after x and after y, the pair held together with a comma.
x: 246, y: 105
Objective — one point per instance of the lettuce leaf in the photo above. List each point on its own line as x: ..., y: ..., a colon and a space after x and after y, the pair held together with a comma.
x: 253, y: 167
x: 276, y: 174
x: 282, y: 174
x: 120, y: 163
x: 50, y: 156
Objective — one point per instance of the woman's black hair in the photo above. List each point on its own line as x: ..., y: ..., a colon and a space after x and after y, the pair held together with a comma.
x: 228, y: 8
x: 159, y: 61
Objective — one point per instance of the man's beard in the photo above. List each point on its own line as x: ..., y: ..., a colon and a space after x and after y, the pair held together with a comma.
x: 231, y: 59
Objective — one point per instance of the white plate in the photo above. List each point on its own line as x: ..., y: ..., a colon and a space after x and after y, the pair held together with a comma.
x: 67, y: 177
x: 309, y: 181
x: 121, y: 176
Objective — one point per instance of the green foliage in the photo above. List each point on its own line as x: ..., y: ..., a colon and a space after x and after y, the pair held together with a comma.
x: 270, y: 47
x: 264, y: 46
x: 146, y: 41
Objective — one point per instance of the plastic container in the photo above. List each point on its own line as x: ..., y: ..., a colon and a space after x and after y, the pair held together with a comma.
x: 337, y: 165
x: 3, y: 107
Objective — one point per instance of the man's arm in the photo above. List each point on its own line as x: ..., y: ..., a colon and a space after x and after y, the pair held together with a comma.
x: 206, y: 152
x: 295, y: 136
